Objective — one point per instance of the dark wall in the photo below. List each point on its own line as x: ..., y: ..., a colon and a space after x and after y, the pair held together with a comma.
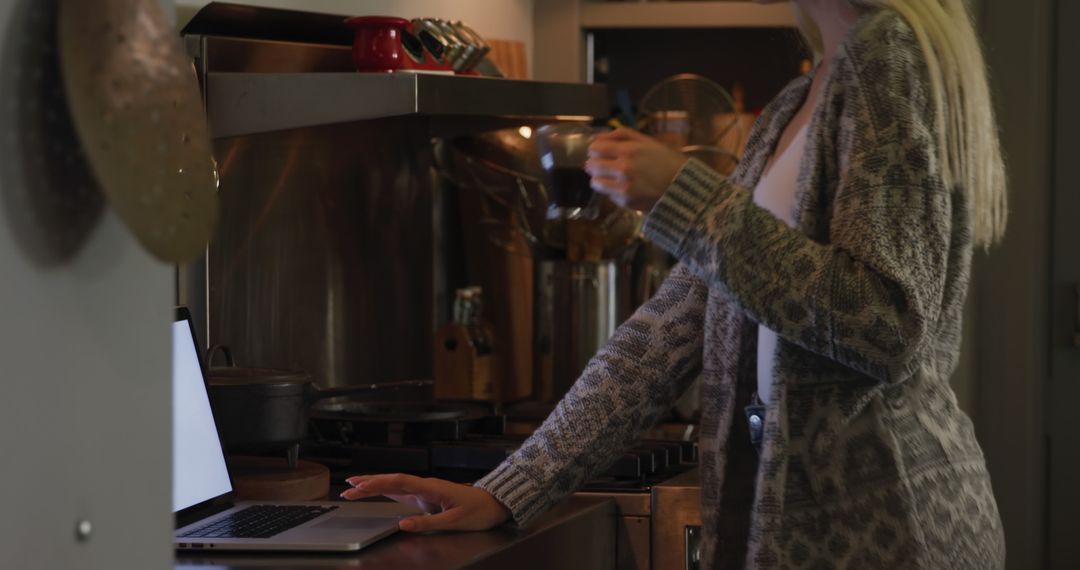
x: 762, y: 59
x: 1011, y: 284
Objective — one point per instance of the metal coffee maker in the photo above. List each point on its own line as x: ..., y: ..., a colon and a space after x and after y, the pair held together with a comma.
x: 579, y: 304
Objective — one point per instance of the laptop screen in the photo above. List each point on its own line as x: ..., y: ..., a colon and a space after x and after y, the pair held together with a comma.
x: 199, y: 472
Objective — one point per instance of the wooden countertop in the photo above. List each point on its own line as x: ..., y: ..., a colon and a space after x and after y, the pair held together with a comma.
x: 578, y: 533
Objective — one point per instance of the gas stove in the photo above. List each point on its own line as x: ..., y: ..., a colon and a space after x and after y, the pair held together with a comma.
x: 462, y: 447
x: 466, y: 460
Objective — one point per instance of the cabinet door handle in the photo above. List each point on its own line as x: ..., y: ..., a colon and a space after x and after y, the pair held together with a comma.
x: 1076, y: 325
x: 692, y: 547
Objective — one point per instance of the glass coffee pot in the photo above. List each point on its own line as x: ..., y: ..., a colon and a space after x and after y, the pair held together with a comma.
x: 563, y: 149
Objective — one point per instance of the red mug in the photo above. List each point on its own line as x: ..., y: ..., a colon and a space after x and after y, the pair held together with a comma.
x: 377, y: 43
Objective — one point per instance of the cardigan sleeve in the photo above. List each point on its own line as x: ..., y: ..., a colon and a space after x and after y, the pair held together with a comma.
x: 625, y: 388
x: 870, y: 296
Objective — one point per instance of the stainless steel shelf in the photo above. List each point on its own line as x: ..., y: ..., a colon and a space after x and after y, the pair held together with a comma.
x: 248, y: 103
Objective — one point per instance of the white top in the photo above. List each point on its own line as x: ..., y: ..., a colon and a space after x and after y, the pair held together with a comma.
x: 776, y: 192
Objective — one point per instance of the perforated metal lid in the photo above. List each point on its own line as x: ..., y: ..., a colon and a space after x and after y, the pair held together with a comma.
x: 137, y: 109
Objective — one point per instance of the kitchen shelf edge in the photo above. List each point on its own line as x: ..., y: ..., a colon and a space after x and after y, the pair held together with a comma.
x: 248, y: 103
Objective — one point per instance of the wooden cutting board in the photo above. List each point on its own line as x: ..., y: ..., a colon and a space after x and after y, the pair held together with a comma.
x: 510, y: 57
x: 271, y: 479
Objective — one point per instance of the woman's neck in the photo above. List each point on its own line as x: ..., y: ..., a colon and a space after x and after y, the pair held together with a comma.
x: 833, y: 18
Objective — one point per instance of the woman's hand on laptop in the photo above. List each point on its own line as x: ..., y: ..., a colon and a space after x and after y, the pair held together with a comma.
x: 450, y: 506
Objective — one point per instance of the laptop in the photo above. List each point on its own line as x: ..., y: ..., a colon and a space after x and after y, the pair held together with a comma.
x: 206, y: 515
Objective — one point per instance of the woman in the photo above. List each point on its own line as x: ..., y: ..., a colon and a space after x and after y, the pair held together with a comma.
x: 827, y: 275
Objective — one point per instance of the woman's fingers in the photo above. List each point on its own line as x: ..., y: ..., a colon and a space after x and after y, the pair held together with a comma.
x: 605, y: 149
x: 396, y: 484
x: 614, y: 168
x: 421, y: 503
x: 354, y: 494
x: 418, y: 502
x: 616, y: 190
x: 621, y: 144
x: 609, y: 185
x: 613, y: 149
x: 620, y: 134
x: 448, y: 520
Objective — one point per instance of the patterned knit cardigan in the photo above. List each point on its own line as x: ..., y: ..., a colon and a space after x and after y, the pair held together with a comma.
x: 867, y: 461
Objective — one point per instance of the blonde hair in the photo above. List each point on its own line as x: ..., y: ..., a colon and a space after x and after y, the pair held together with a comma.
x: 969, y: 148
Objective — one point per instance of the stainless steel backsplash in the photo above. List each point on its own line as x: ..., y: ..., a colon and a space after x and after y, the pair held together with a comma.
x: 327, y: 257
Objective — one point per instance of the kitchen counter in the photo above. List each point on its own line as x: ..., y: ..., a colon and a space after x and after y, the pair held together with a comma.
x: 579, y: 533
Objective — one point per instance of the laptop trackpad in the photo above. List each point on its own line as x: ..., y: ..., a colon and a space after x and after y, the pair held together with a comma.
x: 356, y: 522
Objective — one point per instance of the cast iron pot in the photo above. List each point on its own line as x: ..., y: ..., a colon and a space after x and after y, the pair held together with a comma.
x: 265, y: 407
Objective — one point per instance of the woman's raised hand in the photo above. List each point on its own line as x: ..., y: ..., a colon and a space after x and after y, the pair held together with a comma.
x: 450, y: 506
x: 632, y: 169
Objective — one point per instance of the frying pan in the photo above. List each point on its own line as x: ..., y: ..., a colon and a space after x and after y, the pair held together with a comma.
x: 137, y: 110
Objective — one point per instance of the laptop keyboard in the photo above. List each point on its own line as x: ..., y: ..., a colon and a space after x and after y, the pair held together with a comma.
x: 259, y: 521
